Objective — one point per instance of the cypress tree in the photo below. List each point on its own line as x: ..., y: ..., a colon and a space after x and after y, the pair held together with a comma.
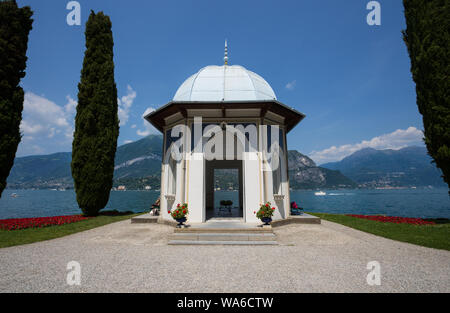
x: 15, y: 25
x: 96, y: 122
x: 428, y: 41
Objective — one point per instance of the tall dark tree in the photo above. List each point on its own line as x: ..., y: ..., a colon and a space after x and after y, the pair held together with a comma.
x: 96, y: 122
x: 15, y: 25
x: 428, y: 40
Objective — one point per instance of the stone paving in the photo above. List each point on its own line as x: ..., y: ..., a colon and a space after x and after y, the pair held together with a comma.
x: 125, y: 257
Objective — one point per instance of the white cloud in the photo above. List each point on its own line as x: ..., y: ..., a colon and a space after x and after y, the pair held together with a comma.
x: 43, y: 120
x: 133, y: 126
x: 71, y: 105
x: 291, y: 85
x: 48, y: 127
x: 143, y: 133
x: 125, y: 104
x: 396, y: 140
x: 148, y: 128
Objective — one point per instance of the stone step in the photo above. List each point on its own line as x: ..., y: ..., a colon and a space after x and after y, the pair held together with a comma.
x: 225, y: 236
x: 222, y: 243
x: 218, y: 228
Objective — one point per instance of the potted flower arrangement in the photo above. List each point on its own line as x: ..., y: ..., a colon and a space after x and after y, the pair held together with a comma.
x: 265, y: 213
x: 295, y: 209
x: 179, y: 214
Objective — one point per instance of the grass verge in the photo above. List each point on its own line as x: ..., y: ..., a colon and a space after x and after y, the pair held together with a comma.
x: 30, y: 235
x: 432, y: 236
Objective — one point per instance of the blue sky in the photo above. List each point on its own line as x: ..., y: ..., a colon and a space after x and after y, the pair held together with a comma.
x: 352, y: 80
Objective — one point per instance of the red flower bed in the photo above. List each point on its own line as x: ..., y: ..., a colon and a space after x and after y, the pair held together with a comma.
x: 39, y: 222
x: 394, y: 219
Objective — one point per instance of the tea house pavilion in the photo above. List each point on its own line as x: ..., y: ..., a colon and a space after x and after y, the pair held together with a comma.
x: 237, y: 110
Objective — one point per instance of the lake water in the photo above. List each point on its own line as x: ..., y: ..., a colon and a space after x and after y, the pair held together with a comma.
x: 40, y: 203
x: 423, y: 203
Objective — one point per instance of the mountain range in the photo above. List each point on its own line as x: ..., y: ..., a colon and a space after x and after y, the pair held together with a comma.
x: 138, y: 164
x: 305, y: 174
x: 407, y: 167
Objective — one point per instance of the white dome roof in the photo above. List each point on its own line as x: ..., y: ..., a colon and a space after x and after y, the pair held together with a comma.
x: 225, y: 83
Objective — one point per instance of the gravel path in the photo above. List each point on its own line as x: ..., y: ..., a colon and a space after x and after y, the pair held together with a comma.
x: 124, y: 257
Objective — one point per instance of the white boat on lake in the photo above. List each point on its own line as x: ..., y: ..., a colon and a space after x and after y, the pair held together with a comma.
x: 320, y: 193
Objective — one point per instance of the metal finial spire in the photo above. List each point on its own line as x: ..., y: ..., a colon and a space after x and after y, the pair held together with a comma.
x: 226, y: 53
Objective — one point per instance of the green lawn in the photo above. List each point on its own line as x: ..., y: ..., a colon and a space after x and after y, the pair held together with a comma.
x: 30, y: 235
x: 432, y: 236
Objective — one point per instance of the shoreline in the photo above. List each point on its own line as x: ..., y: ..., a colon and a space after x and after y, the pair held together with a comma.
x: 308, y: 189
x: 419, y: 203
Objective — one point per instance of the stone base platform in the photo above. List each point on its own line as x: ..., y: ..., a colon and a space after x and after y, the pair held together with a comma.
x: 228, y: 223
x: 226, y: 231
x: 144, y: 219
x: 298, y: 219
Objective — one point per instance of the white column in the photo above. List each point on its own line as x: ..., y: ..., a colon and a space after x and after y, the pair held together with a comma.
x: 252, y: 186
x: 286, y: 191
x: 179, y: 183
x: 262, y: 134
x: 283, y: 206
x: 163, y: 203
x: 196, y: 188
